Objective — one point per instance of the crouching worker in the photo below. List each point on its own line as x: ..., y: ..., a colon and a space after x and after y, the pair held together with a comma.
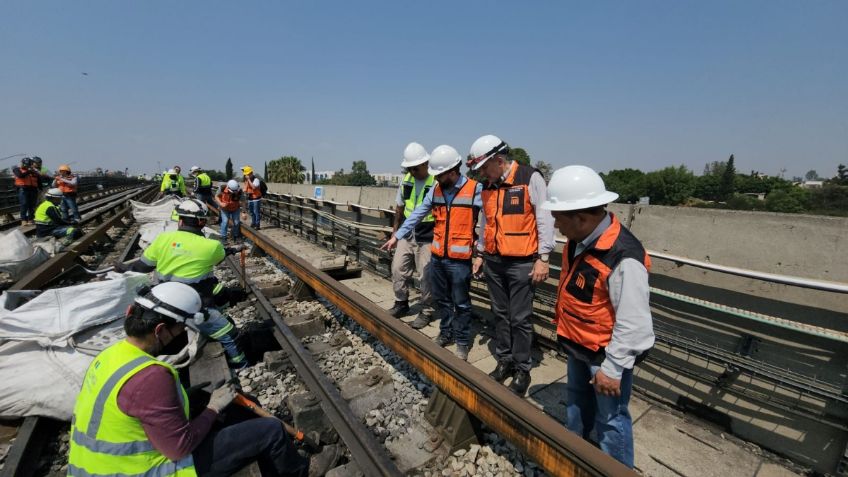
x: 186, y: 256
x: 49, y: 221
x: 132, y: 414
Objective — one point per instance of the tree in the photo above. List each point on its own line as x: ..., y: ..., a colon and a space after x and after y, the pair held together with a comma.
x: 228, y: 169
x: 359, y: 175
x: 519, y: 155
x: 790, y: 200
x: 286, y: 169
x: 728, y: 178
x: 715, y: 168
x: 841, y: 175
x: 708, y: 187
x: 811, y: 175
x: 628, y: 183
x: 670, y: 186
x: 546, y: 169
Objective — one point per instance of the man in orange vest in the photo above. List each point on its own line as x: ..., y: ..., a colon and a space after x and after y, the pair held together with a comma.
x: 455, y: 203
x: 67, y: 183
x: 27, y: 181
x: 229, y: 200
x: 518, y: 237
x: 603, y: 315
x: 253, y: 191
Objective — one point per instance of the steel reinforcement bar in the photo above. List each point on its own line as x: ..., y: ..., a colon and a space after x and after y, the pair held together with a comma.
x: 538, y: 435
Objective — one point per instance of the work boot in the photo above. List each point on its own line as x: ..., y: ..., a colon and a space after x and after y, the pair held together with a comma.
x: 443, y: 340
x: 520, y: 382
x: 400, y: 309
x: 422, y: 320
x: 503, y: 371
x: 462, y: 352
x: 321, y: 463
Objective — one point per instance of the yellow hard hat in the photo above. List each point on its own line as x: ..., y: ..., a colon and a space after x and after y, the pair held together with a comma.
x: 247, y: 169
x: 64, y: 167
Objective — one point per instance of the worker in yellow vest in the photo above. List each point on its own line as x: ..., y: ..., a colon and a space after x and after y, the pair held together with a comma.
x: 49, y: 221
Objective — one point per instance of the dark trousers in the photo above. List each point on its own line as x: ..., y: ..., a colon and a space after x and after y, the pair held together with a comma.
x: 260, y: 440
x: 27, y: 196
x: 512, y: 292
x: 450, y: 285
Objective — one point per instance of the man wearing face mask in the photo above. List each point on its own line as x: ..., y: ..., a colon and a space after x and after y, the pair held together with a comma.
x: 455, y: 203
x: 132, y: 414
x: 173, y: 184
x: 413, y: 250
x: 518, y: 237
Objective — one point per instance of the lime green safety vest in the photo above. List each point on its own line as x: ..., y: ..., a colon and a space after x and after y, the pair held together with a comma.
x: 410, y: 200
x: 41, y: 216
x: 104, y: 440
x: 205, y: 180
x: 173, y: 187
x: 184, y: 257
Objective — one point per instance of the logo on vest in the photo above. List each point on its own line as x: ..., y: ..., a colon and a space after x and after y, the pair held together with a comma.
x: 580, y: 281
x: 513, y: 200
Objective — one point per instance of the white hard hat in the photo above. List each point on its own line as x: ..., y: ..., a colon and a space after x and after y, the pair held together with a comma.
x: 577, y: 188
x: 233, y: 185
x: 172, y: 171
x: 192, y: 208
x: 414, y: 154
x: 483, y: 149
x: 195, y: 168
x: 443, y: 159
x: 54, y: 192
x: 173, y: 299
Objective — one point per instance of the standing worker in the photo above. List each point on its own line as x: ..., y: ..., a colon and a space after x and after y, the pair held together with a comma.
x: 132, y: 414
x: 413, y: 250
x: 518, y: 237
x: 186, y: 256
x: 229, y: 200
x: 202, y: 185
x: 43, y: 177
x: 49, y: 221
x: 67, y: 183
x: 172, y: 184
x: 603, y: 316
x: 455, y: 203
x: 27, y: 181
x: 253, y: 191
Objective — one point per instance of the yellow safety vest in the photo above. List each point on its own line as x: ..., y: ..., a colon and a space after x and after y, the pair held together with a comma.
x: 410, y: 199
x: 41, y: 216
x: 104, y: 440
x: 184, y: 257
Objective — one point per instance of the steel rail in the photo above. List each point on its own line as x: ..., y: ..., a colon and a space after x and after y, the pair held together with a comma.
x: 539, y: 436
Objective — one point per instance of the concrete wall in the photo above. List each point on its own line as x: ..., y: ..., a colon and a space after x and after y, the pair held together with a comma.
x: 382, y: 197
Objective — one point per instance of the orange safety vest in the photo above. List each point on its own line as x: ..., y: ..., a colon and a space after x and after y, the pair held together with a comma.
x: 66, y: 188
x: 253, y: 193
x: 229, y: 200
x: 584, y: 312
x: 453, y: 232
x: 27, y: 181
x: 510, y: 217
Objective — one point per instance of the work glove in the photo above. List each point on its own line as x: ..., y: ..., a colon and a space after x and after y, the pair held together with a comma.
x: 222, y: 397
x: 234, y: 249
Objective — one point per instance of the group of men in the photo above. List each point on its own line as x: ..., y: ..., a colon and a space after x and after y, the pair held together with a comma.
x: 603, y: 317
x: 228, y: 199
x: 57, y: 213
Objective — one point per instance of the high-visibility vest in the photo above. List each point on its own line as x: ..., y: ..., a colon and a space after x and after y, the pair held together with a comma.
x: 229, y: 200
x: 424, y: 230
x: 203, y: 183
x: 171, y: 186
x: 182, y: 256
x: 453, y: 233
x: 253, y: 193
x: 30, y: 180
x: 67, y: 189
x: 510, y: 217
x: 584, y: 313
x: 104, y: 440
x: 41, y: 217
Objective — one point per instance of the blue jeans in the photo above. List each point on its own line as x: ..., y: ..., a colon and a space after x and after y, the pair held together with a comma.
x: 608, y: 416
x: 69, y: 204
x: 218, y: 328
x: 226, y: 218
x: 253, y: 208
x: 27, y: 196
x: 451, y: 282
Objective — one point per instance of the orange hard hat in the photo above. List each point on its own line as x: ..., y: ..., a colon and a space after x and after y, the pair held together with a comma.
x: 64, y: 167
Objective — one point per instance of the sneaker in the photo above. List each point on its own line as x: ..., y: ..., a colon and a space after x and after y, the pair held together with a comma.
x: 421, y: 321
x: 400, y: 309
x: 321, y: 463
x: 443, y: 340
x: 520, y: 382
x: 462, y: 352
x: 503, y: 371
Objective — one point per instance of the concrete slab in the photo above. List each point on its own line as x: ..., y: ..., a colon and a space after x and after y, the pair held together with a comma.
x: 409, y: 451
x: 770, y: 469
x: 487, y: 364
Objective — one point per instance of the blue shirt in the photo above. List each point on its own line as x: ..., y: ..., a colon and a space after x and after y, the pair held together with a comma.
x: 426, y: 206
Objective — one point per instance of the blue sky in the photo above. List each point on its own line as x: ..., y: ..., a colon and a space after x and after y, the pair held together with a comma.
x: 606, y: 84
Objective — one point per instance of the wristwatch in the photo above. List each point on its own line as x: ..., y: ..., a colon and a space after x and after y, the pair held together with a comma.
x: 545, y: 257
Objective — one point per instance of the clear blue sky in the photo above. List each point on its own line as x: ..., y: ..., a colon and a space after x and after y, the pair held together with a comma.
x: 607, y: 84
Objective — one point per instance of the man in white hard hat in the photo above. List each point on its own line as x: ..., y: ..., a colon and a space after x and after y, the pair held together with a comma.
x: 229, y: 200
x: 413, y: 250
x: 172, y: 184
x: 49, y: 221
x: 518, y: 237
x: 455, y: 203
x: 602, y: 313
x: 202, y: 185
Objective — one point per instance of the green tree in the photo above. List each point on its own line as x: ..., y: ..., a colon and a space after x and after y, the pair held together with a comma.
x: 708, y: 187
x: 841, y: 175
x: 670, y: 186
x: 628, y: 183
x: 811, y: 175
x: 287, y: 170
x: 832, y: 199
x: 359, y: 175
x: 792, y: 200
x: 728, y: 180
x: 546, y: 169
x: 228, y: 169
x: 520, y: 156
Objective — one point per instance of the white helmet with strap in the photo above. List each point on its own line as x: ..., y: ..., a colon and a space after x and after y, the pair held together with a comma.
x: 192, y: 208
x: 233, y: 185
x: 576, y: 188
x: 175, y: 300
x: 414, y: 154
x: 483, y: 149
x: 443, y: 159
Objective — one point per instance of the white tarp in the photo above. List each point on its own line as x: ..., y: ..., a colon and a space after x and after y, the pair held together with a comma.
x: 47, y: 343
x: 18, y: 255
x: 158, y: 211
